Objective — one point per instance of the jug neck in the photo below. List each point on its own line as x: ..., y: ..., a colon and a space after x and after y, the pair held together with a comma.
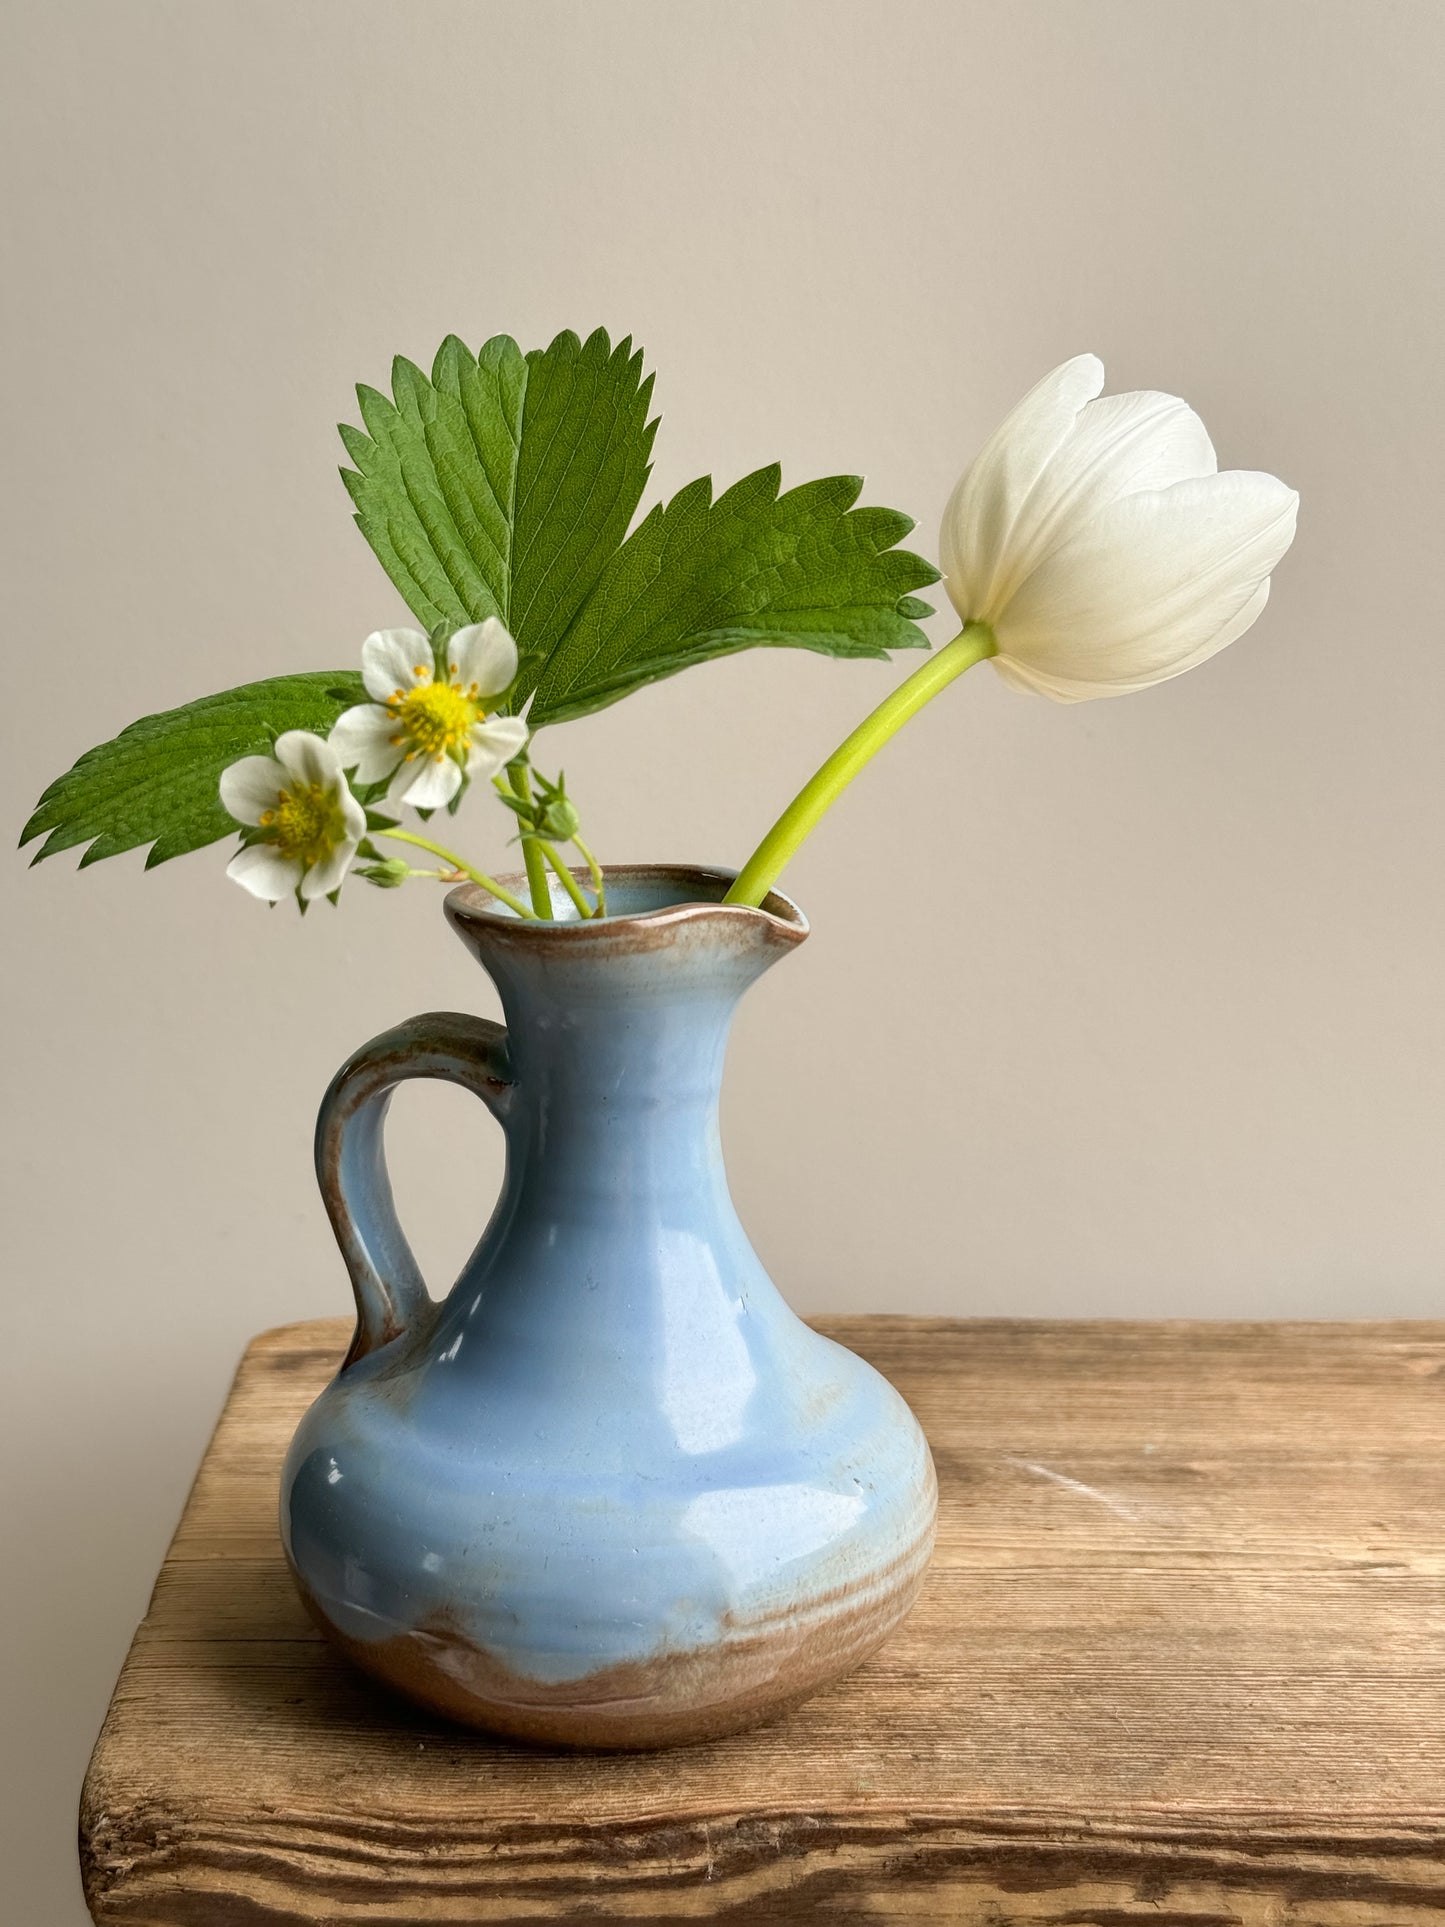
x: 617, y: 1027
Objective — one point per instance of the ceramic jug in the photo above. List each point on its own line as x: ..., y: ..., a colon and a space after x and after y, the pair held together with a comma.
x: 611, y: 1491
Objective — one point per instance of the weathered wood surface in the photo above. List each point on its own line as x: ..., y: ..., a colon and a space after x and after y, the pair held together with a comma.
x: 1181, y: 1658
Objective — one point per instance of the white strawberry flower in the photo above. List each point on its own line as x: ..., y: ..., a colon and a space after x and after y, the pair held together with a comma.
x: 310, y: 823
x: 1097, y: 540
x: 423, y: 732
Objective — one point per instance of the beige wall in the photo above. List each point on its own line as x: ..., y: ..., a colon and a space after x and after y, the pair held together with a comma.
x: 1129, y: 1009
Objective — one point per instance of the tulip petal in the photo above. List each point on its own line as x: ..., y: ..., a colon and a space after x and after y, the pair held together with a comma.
x: 978, y: 523
x: 426, y: 782
x: 1152, y: 585
x: 363, y: 741
x: 261, y: 869
x: 393, y: 661
x: 1120, y: 445
x: 494, y: 743
x: 1019, y: 676
x: 482, y: 657
x: 251, y: 787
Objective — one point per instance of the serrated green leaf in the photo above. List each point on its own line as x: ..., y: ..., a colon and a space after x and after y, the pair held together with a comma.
x: 502, y: 485
x: 584, y: 460
x: 157, y: 781
x: 914, y: 609
x: 702, y: 578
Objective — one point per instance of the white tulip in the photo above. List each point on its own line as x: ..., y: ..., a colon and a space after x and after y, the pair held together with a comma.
x: 426, y: 732
x: 309, y: 821
x: 1098, y: 541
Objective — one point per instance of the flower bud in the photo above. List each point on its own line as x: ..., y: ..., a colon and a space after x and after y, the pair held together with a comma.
x: 557, y: 820
x: 388, y: 874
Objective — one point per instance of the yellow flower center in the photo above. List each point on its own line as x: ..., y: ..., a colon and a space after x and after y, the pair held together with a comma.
x: 307, y: 823
x: 434, y: 719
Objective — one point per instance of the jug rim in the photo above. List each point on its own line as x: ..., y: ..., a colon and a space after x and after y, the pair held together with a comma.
x: 702, y: 887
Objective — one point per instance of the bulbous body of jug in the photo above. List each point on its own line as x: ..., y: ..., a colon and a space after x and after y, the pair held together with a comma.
x: 611, y: 1492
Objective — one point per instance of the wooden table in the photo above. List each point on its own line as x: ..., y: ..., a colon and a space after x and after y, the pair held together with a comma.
x: 1181, y: 1658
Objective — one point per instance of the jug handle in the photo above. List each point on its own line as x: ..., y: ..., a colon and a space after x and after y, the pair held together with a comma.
x: 391, y: 1296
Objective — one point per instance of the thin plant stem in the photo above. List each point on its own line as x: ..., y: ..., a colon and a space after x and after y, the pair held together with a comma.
x: 974, y: 643
x: 565, y: 876
x: 459, y: 863
x: 596, y: 869
x: 536, y: 863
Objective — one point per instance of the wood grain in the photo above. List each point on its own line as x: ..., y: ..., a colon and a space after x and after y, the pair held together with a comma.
x: 1181, y: 1658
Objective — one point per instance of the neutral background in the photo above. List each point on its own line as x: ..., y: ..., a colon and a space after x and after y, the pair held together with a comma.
x: 1132, y: 1008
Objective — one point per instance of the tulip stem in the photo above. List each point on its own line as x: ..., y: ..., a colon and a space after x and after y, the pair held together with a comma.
x: 974, y: 643
x: 457, y: 863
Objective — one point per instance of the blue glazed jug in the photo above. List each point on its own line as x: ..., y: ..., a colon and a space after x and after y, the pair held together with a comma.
x: 610, y: 1491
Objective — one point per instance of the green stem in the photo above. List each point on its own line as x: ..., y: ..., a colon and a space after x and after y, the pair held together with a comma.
x: 536, y: 863
x: 974, y: 643
x: 457, y: 863
x: 596, y: 869
x: 568, y: 881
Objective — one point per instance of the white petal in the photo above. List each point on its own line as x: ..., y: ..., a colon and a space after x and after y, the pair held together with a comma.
x: 1151, y: 586
x: 324, y: 877
x: 263, y: 871
x: 251, y: 787
x: 309, y: 758
x: 482, y: 656
x: 362, y: 739
x: 353, y: 816
x: 1120, y: 445
x: 978, y: 522
x: 426, y: 782
x: 494, y: 743
x: 1019, y: 676
x: 393, y: 659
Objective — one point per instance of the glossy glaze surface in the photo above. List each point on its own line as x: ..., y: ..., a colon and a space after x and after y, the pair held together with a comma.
x: 611, y: 1491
